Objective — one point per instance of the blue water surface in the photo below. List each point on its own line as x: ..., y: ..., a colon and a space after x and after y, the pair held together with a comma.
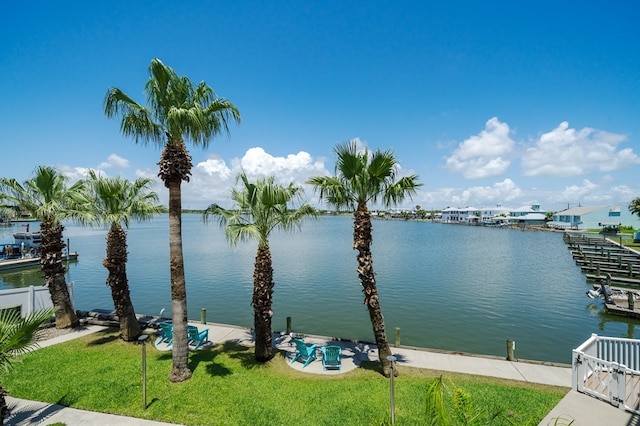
x: 450, y: 287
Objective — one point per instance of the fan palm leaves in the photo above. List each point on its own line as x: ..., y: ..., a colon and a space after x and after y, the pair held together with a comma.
x: 177, y: 111
x: 47, y: 198
x: 363, y: 177
x: 260, y: 208
x: 115, y: 202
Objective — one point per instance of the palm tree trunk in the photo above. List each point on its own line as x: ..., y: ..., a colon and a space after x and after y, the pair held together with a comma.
x: 180, y: 347
x: 262, y: 300
x: 362, y: 239
x: 116, y: 264
x: 53, y: 271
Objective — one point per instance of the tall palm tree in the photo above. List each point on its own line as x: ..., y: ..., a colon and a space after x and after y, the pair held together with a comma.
x: 362, y: 177
x: 114, y: 203
x: 47, y: 198
x: 17, y: 337
x: 261, y: 207
x: 634, y: 206
x: 177, y: 110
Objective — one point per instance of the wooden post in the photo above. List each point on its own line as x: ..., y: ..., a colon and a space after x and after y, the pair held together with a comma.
x: 397, y: 342
x: 598, y: 269
x: 288, y: 325
x: 630, y: 300
x: 511, y: 347
x: 630, y: 267
x: 203, y: 315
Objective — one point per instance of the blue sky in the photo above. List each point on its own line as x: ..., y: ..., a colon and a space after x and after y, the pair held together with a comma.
x: 494, y: 102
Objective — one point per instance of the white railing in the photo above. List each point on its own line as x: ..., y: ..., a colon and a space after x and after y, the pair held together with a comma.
x: 29, y: 299
x: 608, y: 368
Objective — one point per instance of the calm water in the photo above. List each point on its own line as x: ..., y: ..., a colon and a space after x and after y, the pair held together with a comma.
x: 449, y: 287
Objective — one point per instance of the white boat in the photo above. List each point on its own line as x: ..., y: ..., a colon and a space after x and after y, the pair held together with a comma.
x: 30, y: 239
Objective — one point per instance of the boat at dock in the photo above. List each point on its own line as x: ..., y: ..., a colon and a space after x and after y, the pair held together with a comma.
x: 30, y: 239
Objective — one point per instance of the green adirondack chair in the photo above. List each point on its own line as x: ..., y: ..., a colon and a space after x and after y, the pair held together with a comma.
x: 197, y: 337
x: 166, y: 333
x: 304, y: 353
x: 331, y: 357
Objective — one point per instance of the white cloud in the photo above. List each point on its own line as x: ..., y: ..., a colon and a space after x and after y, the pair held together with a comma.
x: 483, y: 155
x: 565, y: 152
x: 293, y: 167
x: 503, y: 192
x: 588, y: 192
x: 214, y: 167
x: 212, y: 180
x: 114, y: 161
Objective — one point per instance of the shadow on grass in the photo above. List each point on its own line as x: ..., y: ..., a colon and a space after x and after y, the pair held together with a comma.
x: 104, y: 337
x: 371, y: 366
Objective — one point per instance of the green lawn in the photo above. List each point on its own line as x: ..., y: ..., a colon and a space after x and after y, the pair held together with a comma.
x: 99, y: 372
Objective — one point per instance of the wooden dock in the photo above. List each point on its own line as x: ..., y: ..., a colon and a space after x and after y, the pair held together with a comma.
x: 9, y: 264
x: 602, y: 259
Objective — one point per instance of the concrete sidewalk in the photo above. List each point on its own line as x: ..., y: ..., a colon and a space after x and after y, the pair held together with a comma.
x: 584, y: 410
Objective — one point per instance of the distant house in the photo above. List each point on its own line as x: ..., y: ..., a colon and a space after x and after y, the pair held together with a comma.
x: 595, y: 217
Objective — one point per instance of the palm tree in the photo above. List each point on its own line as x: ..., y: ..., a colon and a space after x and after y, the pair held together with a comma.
x: 47, y: 198
x: 362, y: 177
x: 634, y: 206
x: 261, y: 207
x: 115, y: 202
x: 17, y: 337
x: 177, y: 111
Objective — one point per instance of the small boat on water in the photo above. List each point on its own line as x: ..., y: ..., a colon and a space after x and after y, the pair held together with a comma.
x: 615, y: 296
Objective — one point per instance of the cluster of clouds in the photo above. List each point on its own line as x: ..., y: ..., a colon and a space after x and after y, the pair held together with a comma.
x: 492, y: 156
x: 562, y: 152
x: 557, y: 155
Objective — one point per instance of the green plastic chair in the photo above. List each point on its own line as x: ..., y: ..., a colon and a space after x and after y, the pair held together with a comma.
x: 331, y: 357
x: 166, y: 333
x: 197, y: 337
x: 304, y: 353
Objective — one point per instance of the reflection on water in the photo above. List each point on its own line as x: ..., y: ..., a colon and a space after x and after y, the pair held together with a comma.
x: 21, y: 277
x: 445, y: 286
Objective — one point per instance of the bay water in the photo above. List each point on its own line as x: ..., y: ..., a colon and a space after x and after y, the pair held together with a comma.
x: 450, y: 287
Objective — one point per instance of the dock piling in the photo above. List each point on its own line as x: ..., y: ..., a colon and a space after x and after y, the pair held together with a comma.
x: 511, y: 348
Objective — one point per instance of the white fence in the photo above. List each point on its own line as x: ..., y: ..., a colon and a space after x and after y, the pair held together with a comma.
x: 29, y: 299
x: 608, y: 368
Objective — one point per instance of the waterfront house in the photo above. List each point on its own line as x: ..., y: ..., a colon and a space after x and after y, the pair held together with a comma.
x: 595, y: 217
x: 472, y: 215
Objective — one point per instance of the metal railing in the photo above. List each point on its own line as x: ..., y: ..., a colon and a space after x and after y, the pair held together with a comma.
x: 608, y: 368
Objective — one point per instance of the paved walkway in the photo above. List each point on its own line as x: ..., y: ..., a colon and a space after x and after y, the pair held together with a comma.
x: 584, y: 410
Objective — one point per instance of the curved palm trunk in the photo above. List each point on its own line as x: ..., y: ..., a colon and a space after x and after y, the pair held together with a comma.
x: 53, y: 270
x: 262, y: 299
x: 116, y: 264
x: 362, y: 242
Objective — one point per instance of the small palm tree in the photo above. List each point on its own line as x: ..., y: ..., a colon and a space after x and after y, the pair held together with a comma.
x: 114, y: 203
x: 17, y: 337
x: 47, y: 198
x: 177, y: 111
x: 634, y: 206
x: 261, y: 207
x: 362, y: 177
